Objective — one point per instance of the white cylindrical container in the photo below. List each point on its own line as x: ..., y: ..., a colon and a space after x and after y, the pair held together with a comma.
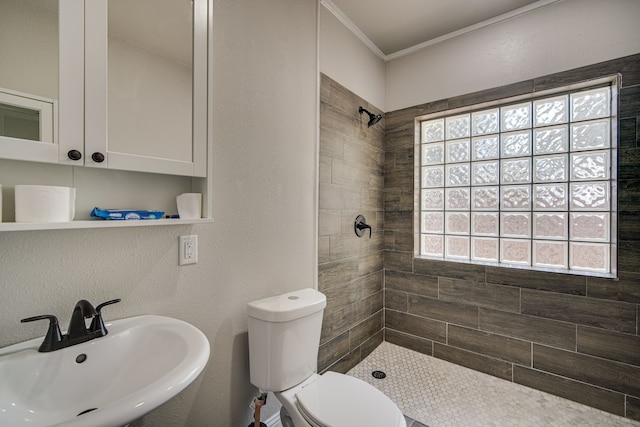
x: 189, y: 205
x: 44, y: 203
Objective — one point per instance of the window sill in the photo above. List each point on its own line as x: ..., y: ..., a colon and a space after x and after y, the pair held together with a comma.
x: 520, y: 267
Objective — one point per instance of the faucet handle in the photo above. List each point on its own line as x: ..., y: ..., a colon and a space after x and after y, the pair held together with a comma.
x: 97, y: 324
x: 54, y: 335
x: 360, y: 225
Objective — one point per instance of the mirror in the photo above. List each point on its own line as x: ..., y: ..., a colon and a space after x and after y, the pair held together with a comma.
x: 150, y: 78
x: 29, y: 46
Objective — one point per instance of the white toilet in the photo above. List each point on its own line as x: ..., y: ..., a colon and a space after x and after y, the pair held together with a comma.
x: 284, y: 335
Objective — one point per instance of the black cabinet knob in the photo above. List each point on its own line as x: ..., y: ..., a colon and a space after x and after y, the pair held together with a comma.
x: 97, y: 157
x: 74, y: 155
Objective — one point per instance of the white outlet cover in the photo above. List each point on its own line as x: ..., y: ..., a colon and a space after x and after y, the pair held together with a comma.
x: 188, y: 250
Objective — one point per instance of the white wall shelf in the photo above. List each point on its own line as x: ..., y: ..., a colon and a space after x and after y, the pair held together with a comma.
x: 25, y: 226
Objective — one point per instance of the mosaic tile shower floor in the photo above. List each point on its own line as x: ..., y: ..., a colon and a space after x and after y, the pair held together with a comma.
x: 441, y: 394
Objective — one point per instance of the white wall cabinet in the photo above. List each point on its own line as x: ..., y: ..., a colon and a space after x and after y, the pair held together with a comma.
x: 133, y: 119
x: 136, y: 170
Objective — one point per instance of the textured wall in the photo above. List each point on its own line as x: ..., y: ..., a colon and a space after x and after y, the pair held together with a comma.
x: 350, y: 268
x: 569, y: 335
x: 560, y: 36
x: 346, y: 60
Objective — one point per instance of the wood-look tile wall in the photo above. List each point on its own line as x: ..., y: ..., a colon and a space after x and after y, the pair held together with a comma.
x: 350, y: 268
x: 573, y: 336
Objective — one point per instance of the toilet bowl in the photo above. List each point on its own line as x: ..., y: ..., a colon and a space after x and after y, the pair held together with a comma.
x: 284, y: 336
x: 338, y: 400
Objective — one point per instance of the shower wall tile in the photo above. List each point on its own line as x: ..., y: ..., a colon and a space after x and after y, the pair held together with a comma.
x: 364, y: 330
x: 595, y: 397
x: 612, y: 315
x: 372, y: 284
x: 372, y: 199
x: 333, y: 350
x: 415, y: 325
x: 341, y: 247
x: 324, y: 169
x: 329, y: 222
x: 389, y: 240
x: 629, y: 250
x: 400, y: 200
x: 492, y: 345
x: 591, y: 370
x: 345, y: 363
x: 361, y: 152
x: 409, y: 341
x: 335, y: 273
x: 331, y: 146
x: 629, y: 101
x: 541, y: 280
x: 399, y: 221
x: 340, y: 296
x: 505, y: 298
x: 403, y: 241
x: 581, y: 333
x: 529, y: 328
x: 399, y: 261
x: 370, y: 344
x: 445, y: 311
x: 404, y: 159
x: 345, y: 173
x: 629, y: 225
x: 323, y: 249
x: 620, y: 347
x: 399, y: 180
x: 396, y: 300
x: 338, y: 197
x: 628, y: 160
x: 633, y: 408
x: 370, y: 263
x: 470, y: 272
x: 368, y: 306
x: 411, y: 283
x: 336, y: 322
x: 475, y: 361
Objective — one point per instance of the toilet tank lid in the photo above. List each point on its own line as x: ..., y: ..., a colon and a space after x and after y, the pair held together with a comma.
x: 289, y: 306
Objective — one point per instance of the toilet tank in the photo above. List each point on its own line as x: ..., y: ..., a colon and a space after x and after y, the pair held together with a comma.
x: 284, y: 335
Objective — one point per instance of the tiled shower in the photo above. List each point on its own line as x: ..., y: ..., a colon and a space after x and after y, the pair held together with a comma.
x: 573, y: 336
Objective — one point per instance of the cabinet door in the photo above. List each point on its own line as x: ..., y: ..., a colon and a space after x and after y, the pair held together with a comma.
x: 145, y: 97
x: 42, y: 71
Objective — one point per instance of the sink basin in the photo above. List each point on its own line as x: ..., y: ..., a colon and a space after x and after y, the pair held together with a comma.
x: 109, y: 381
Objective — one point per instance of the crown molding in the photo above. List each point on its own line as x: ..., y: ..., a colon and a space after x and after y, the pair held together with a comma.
x: 331, y: 7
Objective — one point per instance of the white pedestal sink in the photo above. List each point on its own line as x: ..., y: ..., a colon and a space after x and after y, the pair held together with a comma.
x: 109, y: 381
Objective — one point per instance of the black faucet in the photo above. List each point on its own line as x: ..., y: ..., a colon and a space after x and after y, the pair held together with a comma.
x: 77, y: 327
x: 78, y: 331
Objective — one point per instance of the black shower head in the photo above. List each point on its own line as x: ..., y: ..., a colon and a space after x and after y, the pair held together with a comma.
x: 373, y: 118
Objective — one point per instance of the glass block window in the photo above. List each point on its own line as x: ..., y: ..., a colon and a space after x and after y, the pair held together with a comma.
x: 522, y: 182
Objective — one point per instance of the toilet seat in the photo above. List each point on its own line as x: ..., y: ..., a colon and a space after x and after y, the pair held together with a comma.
x: 338, y: 400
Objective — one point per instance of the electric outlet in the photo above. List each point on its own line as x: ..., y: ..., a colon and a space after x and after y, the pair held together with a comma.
x: 188, y: 250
